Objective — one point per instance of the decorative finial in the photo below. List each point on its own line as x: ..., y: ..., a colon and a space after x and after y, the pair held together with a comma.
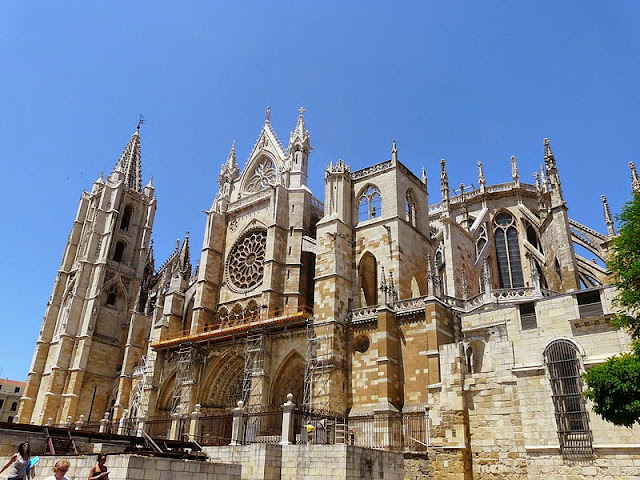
x: 267, y: 114
x: 635, y: 180
x: 444, y: 180
x: 549, y: 159
x: 394, y: 150
x: 302, y: 110
x: 141, y: 120
x: 481, y: 180
x: 608, y: 219
x: 514, y: 169
x: 424, y: 175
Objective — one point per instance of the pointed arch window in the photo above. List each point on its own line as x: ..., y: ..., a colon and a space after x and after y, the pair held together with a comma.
x: 118, y: 253
x: 410, y: 209
x: 369, y: 204
x: 263, y: 175
x: 126, y: 218
x: 508, y: 251
x: 572, y: 419
x: 112, y: 295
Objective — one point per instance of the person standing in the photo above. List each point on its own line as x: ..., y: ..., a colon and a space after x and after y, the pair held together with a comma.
x: 99, y: 471
x: 18, y: 463
x: 59, y: 469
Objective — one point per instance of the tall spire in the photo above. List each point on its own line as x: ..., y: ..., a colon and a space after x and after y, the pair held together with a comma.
x: 129, y: 165
x: 444, y: 180
x: 185, y: 257
x: 635, y: 181
x: 300, y: 133
x: 608, y: 219
x: 394, y: 151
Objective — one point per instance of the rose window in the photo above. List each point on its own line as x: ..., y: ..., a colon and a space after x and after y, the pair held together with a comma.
x: 245, y: 268
x: 263, y: 176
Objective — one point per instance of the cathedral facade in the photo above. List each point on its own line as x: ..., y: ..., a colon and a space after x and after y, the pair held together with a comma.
x: 474, y: 310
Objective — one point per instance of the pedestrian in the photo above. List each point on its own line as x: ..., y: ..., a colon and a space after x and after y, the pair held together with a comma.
x: 18, y: 463
x: 59, y: 469
x: 99, y: 471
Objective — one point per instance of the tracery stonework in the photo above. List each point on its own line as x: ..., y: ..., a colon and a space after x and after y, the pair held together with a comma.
x: 245, y: 269
x: 263, y: 176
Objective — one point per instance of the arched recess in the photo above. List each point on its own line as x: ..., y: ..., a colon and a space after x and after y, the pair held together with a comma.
x: 419, y: 286
x: 289, y: 379
x: 188, y: 311
x: 165, y: 395
x: 262, y: 174
x: 368, y: 279
x: 223, y: 382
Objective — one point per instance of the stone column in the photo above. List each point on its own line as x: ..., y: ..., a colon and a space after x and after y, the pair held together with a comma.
x: 194, y: 425
x: 237, y: 430
x: 141, y: 424
x: 287, y: 421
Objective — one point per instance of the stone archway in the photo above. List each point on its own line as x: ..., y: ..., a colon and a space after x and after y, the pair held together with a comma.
x: 289, y: 379
x: 222, y: 387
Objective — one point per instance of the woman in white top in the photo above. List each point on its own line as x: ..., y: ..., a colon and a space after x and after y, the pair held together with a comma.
x: 18, y: 463
x: 59, y: 469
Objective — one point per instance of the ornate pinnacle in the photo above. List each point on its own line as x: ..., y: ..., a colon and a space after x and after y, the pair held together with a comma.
x: 394, y: 150
x: 444, y: 180
x: 608, y: 219
x: 635, y: 180
x: 267, y: 114
x: 424, y: 175
x: 514, y: 169
x: 549, y: 159
x: 481, y: 180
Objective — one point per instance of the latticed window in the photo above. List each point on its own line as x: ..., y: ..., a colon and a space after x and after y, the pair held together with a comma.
x: 370, y: 204
x: 572, y: 419
x: 508, y: 251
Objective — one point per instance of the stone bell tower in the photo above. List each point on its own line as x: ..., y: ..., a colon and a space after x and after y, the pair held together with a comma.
x: 80, y: 349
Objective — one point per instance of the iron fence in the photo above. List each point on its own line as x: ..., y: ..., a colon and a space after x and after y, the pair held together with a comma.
x: 158, y: 427
x: 215, y: 429
x: 263, y: 425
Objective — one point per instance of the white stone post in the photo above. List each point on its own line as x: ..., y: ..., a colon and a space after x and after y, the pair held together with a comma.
x: 287, y: 421
x: 80, y: 422
x: 104, y: 422
x: 49, y: 421
x: 194, y: 425
x: 67, y: 422
x: 122, y: 423
x: 237, y: 430
x: 175, y: 424
x: 141, y: 424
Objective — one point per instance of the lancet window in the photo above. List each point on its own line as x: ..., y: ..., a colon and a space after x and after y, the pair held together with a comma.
x: 119, y: 251
x: 126, y: 218
x: 481, y: 241
x: 410, y: 209
x: 370, y: 204
x: 508, y: 251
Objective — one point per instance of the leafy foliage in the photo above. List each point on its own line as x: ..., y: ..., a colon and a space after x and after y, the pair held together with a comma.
x: 614, y: 386
x: 624, y: 262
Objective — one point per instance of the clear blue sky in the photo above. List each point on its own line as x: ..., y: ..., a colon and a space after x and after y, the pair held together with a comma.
x: 462, y: 81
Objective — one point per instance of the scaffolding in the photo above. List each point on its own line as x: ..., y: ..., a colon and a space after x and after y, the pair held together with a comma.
x: 317, y: 365
x: 187, y: 357
x: 254, y: 367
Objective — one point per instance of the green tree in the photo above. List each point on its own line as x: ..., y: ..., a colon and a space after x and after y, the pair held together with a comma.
x: 614, y: 386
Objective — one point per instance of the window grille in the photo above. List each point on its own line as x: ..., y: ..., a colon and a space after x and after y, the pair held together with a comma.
x: 572, y: 419
x: 528, y: 319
